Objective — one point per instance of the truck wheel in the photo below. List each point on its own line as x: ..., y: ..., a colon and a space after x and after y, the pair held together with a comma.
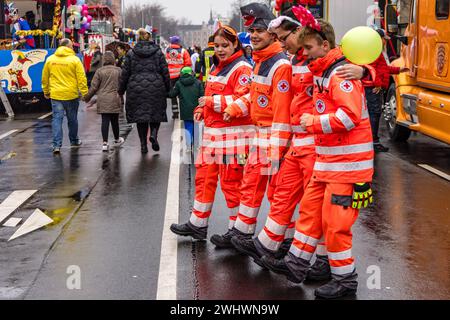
x: 397, y: 133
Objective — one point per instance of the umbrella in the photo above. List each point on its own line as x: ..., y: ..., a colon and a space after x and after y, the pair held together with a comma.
x: 113, y: 47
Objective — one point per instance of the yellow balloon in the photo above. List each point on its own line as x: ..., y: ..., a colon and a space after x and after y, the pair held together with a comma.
x: 362, y: 45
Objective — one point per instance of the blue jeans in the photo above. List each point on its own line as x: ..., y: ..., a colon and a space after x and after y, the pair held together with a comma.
x: 70, y: 107
x: 189, y: 134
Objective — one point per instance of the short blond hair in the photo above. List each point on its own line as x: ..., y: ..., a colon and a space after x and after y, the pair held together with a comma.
x: 144, y: 35
x: 327, y: 31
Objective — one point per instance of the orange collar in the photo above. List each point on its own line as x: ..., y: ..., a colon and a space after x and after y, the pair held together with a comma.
x: 230, y: 59
x: 319, y: 65
x: 175, y: 46
x: 268, y: 52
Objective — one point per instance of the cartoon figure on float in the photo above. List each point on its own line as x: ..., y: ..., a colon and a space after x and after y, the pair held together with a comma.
x: 19, y: 24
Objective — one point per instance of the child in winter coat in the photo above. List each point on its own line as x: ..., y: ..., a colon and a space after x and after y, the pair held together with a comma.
x: 105, y: 85
x: 189, y: 90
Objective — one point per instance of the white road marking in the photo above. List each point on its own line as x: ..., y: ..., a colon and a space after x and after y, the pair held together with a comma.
x: 37, y: 220
x: 14, y: 201
x: 7, y: 134
x: 45, y: 116
x: 167, y: 278
x: 435, y: 171
x: 12, y: 222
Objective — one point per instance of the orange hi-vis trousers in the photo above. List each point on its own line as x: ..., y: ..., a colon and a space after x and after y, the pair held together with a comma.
x: 253, y: 188
x: 326, y: 209
x: 206, y: 178
x: 291, y: 182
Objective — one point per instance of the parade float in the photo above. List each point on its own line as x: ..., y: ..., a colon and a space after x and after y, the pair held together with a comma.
x: 26, y: 42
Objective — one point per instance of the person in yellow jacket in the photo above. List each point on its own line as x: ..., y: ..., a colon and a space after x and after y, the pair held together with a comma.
x: 63, y: 80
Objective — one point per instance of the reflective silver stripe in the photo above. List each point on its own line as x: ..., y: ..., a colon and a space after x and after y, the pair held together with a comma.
x: 198, y: 222
x: 344, y: 166
x: 303, y: 142
x: 224, y: 79
x: 225, y: 143
x: 343, y: 270
x: 202, y: 207
x: 281, y: 127
x: 229, y: 130
x: 365, y: 114
x: 325, y: 122
x: 275, y: 227
x: 342, y: 255
x: 241, y: 104
x: 260, y: 142
x: 217, y: 103
x: 267, y: 242
x: 278, y: 142
x: 298, y: 129
x: 300, y: 253
x: 300, y: 69
x: 248, y: 212
x: 268, y: 80
x: 234, y: 211
x: 229, y: 100
x: 321, y: 250
x: 289, y: 233
x: 345, y: 119
x: 245, y: 228
x: 325, y: 82
x: 305, y: 239
x: 231, y: 224
x: 350, y: 149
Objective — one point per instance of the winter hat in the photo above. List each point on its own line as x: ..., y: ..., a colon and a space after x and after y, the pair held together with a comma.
x: 174, y: 40
x: 186, y: 70
x: 109, y: 58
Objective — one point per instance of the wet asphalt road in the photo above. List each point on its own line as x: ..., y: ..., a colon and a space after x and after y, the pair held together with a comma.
x: 109, y: 213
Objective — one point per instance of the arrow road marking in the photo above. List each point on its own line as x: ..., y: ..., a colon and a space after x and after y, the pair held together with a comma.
x: 167, y: 278
x: 37, y: 220
x: 12, y: 222
x: 14, y: 201
x: 7, y: 134
x: 435, y: 171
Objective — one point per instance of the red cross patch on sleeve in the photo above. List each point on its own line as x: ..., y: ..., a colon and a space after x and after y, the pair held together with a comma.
x: 244, y: 80
x: 346, y: 86
x: 283, y: 86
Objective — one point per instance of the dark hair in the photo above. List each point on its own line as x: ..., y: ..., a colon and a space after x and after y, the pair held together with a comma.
x: 287, y: 25
x: 122, y: 46
x: 230, y: 34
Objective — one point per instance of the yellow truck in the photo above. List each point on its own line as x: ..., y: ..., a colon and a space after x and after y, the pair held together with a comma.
x: 419, y: 100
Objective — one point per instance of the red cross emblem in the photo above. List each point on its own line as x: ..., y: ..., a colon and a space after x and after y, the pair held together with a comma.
x: 283, y: 86
x: 244, y: 79
x: 263, y: 101
x: 346, y: 86
x: 320, y: 106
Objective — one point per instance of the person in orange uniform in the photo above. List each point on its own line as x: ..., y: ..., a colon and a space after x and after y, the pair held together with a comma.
x: 177, y: 58
x: 224, y: 144
x: 343, y: 168
x: 297, y: 167
x: 270, y: 97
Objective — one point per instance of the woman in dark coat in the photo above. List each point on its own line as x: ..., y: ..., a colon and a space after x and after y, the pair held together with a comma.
x: 145, y: 79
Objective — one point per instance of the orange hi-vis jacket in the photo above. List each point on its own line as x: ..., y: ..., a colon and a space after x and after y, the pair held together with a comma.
x: 340, y: 125
x: 226, y: 83
x: 302, y: 142
x: 270, y: 98
x: 177, y: 58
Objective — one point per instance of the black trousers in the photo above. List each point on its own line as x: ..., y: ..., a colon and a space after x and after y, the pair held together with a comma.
x: 143, y: 127
x: 374, y: 101
x: 108, y: 118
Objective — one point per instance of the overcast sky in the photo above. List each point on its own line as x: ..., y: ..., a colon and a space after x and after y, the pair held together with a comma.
x: 194, y: 10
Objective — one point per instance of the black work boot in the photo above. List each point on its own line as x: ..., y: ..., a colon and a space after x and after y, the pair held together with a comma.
x: 378, y: 147
x: 320, y: 270
x: 223, y: 241
x: 284, y: 248
x: 252, y: 248
x: 279, y: 266
x: 338, y: 287
x: 188, y: 229
x: 154, y: 141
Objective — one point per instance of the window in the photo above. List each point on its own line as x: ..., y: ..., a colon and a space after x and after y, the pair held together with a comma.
x: 442, y: 9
